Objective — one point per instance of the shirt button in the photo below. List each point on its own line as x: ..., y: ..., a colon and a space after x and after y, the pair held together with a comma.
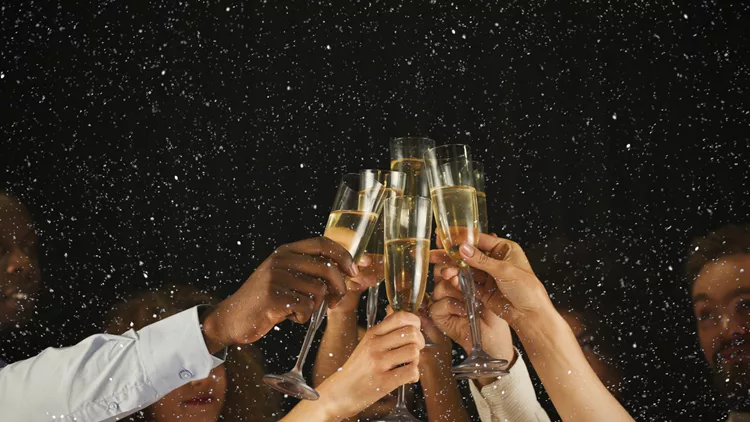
x: 113, y: 406
x: 185, y: 374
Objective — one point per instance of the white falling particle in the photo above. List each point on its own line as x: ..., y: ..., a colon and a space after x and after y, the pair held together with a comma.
x: 634, y: 346
x: 453, y: 31
x: 239, y: 243
x: 145, y: 274
x: 176, y: 178
x: 164, y: 72
x: 288, y: 88
x: 2, y: 75
x: 569, y: 372
x: 301, y: 165
x: 669, y: 268
x: 315, y: 206
x: 684, y: 15
x: 140, y: 263
x: 276, y: 328
x: 627, y: 146
x: 614, y: 116
x: 227, y: 9
x: 328, y: 47
x: 330, y: 354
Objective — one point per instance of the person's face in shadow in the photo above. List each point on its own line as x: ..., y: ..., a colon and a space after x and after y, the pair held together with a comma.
x: 721, y: 302
x: 20, y: 277
x: 594, y: 351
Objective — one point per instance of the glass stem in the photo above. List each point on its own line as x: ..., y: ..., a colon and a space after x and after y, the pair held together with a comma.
x: 466, y: 280
x: 315, y: 320
x: 372, y: 305
x: 401, y: 401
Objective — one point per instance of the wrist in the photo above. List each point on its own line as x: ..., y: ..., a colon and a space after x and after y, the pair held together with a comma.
x: 326, y: 409
x: 317, y: 410
x: 540, y: 327
x: 342, y: 313
x: 211, y: 329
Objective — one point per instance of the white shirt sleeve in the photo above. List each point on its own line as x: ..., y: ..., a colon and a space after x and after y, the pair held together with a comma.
x: 510, y: 398
x: 107, y: 377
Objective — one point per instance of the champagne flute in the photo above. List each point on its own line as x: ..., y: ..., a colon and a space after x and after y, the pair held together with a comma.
x: 407, y: 229
x: 394, y: 186
x: 351, y: 222
x: 454, y: 202
x: 478, y: 171
x: 407, y: 156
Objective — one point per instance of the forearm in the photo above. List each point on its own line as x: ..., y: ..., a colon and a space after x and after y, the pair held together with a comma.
x: 441, y: 394
x: 106, y: 377
x: 339, y: 340
x: 574, y: 388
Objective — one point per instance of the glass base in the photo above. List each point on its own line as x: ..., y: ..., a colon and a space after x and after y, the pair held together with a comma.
x: 398, y: 415
x: 477, y: 375
x: 480, y: 365
x: 292, y: 384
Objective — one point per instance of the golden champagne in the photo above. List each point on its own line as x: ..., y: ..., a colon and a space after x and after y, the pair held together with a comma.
x: 406, y: 267
x: 482, y: 212
x: 455, y: 209
x: 351, y: 229
x: 416, y: 181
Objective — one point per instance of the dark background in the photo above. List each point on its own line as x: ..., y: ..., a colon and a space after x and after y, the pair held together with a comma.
x: 184, y: 141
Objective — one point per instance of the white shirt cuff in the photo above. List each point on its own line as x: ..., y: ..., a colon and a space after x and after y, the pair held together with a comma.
x: 511, y: 397
x: 174, y: 353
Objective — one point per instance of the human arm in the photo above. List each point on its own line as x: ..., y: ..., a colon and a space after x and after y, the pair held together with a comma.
x: 519, y: 297
x: 441, y: 394
x: 387, y: 357
x: 106, y: 377
x: 340, y: 336
x: 510, y: 397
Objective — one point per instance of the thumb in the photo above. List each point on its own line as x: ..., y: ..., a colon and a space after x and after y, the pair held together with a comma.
x: 477, y: 259
x: 365, y: 261
x: 501, y: 271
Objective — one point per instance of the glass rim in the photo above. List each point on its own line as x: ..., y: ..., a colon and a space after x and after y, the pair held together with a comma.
x: 446, y: 146
x: 381, y: 171
x: 416, y: 138
x: 351, y: 181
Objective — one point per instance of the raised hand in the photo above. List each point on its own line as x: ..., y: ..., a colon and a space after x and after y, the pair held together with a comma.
x: 448, y: 312
x: 506, y: 284
x: 386, y: 358
x: 289, y: 284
